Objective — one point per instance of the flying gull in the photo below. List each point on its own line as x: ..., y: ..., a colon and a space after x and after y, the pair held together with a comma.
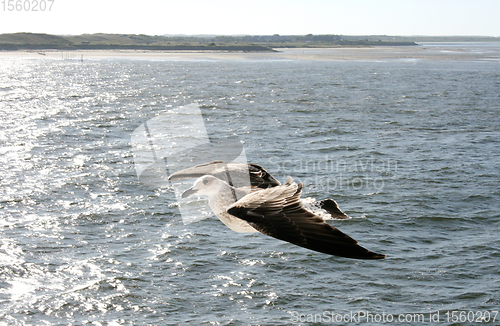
x: 272, y: 208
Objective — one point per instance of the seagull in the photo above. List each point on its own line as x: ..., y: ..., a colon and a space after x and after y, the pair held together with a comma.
x: 271, y: 208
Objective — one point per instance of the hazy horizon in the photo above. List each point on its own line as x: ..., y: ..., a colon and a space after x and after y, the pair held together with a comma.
x: 240, y: 35
x: 222, y: 17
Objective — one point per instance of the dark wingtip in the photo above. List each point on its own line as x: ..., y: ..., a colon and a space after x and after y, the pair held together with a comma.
x: 369, y: 255
x: 357, y: 252
x: 364, y: 253
x: 378, y: 256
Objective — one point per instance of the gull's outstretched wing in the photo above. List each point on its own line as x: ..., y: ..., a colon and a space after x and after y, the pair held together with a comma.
x: 237, y: 171
x: 277, y: 212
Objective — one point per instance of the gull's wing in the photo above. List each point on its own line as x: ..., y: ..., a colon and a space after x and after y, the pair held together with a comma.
x: 237, y: 172
x: 277, y: 212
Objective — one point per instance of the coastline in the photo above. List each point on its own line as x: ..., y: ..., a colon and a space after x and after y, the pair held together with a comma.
x: 422, y: 52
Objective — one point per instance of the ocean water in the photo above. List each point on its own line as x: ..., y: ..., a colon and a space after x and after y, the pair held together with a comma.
x: 410, y: 149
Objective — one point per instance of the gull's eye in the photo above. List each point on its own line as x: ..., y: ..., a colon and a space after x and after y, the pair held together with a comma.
x: 206, y: 181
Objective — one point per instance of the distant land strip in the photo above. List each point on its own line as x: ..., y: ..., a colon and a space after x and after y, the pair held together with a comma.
x: 230, y: 48
x: 220, y: 43
x: 254, y: 43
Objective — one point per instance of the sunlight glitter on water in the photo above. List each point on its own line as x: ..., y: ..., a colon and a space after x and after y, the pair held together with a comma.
x: 83, y: 242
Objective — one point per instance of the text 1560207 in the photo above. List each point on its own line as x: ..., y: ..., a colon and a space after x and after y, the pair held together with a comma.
x: 27, y: 5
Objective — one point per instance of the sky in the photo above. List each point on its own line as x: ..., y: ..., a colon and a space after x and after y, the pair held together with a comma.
x: 255, y: 17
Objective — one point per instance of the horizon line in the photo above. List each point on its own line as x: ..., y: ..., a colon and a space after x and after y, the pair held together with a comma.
x: 275, y: 34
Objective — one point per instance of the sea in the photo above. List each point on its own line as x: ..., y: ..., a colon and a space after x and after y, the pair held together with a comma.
x: 409, y: 148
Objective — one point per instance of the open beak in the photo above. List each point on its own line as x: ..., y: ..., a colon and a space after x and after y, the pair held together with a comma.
x: 189, y: 192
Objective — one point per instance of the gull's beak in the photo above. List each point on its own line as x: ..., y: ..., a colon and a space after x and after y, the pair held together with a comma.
x: 189, y: 192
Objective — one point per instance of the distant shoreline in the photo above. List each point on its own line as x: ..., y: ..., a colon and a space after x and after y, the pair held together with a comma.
x: 190, y: 48
x: 256, y: 43
x: 214, y: 43
x: 382, y: 53
x: 42, y: 47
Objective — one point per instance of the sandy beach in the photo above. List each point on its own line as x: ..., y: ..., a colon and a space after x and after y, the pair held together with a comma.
x: 437, y: 51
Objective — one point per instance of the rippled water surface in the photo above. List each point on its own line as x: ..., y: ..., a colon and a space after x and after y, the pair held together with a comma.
x: 409, y: 148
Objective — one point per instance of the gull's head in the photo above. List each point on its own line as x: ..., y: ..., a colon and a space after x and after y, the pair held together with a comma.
x: 205, y: 185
